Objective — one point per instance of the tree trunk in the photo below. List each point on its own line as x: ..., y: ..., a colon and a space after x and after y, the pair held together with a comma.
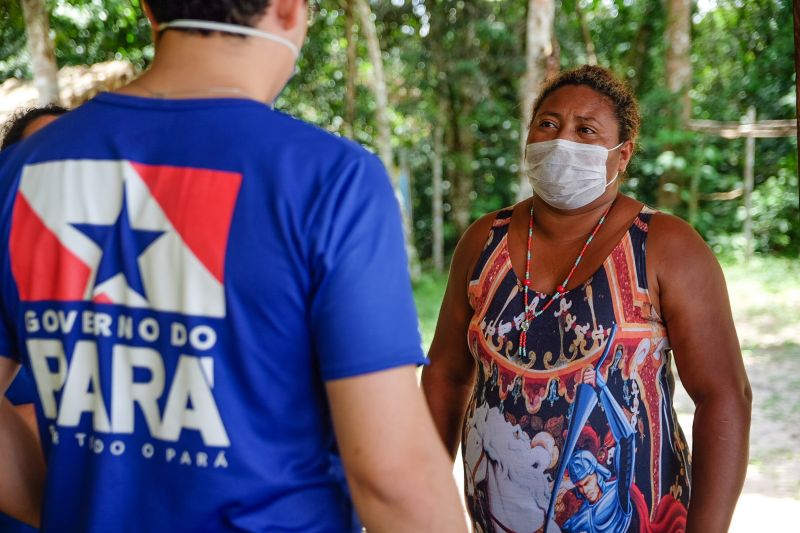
x: 679, y: 81
x: 591, y: 55
x: 539, y: 46
x: 797, y: 67
x: 679, y: 65
x: 352, y: 69
x: 637, y: 57
x: 384, y: 141
x: 461, y: 143
x: 40, y: 46
x: 406, y: 185
x: 437, y: 201
x: 379, y: 90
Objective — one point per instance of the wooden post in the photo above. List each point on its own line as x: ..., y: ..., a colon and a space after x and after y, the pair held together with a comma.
x: 797, y: 67
x: 437, y: 201
x: 749, y: 167
x: 750, y: 130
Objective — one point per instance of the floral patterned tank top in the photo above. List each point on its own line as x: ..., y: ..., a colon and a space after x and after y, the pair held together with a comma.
x: 541, y: 443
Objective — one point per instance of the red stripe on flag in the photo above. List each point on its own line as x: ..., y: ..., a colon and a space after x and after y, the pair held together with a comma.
x: 43, y: 268
x: 199, y: 204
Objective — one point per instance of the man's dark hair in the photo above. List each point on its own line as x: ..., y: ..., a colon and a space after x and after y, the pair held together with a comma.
x: 15, y: 126
x: 240, y: 12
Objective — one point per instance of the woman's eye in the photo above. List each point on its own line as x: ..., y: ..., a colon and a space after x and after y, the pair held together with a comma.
x: 547, y: 124
x: 586, y: 129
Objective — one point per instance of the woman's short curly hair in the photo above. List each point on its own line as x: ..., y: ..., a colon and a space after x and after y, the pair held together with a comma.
x: 14, y: 128
x: 240, y: 12
x: 602, y: 80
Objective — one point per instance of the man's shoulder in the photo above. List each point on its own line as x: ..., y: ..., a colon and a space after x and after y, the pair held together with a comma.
x: 294, y: 130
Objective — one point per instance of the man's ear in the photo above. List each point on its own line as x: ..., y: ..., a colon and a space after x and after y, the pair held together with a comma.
x: 149, y: 14
x: 289, y: 13
x: 154, y: 33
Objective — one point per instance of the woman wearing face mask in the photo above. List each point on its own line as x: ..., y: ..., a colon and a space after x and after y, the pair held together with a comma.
x: 551, y: 362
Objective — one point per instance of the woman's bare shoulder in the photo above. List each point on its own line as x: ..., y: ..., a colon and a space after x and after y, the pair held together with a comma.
x: 670, y: 234
x: 678, y: 253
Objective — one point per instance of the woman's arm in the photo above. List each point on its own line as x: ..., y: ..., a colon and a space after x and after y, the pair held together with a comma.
x: 448, y: 380
x: 693, y: 300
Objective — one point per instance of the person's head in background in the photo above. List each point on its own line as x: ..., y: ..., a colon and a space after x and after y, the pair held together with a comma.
x: 27, y: 121
x: 250, y: 46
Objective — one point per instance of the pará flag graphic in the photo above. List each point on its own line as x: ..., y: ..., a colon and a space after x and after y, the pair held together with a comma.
x: 118, y: 232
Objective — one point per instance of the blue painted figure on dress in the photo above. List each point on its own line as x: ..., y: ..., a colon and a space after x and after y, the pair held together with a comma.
x: 606, y: 503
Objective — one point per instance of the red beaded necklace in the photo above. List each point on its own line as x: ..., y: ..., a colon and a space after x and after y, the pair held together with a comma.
x: 560, y: 290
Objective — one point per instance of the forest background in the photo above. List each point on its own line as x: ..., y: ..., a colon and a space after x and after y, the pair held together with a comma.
x: 441, y: 90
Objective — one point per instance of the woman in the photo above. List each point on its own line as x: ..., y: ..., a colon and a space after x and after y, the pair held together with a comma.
x: 551, y: 359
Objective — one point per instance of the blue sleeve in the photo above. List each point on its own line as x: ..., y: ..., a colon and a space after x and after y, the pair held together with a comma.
x: 363, y: 317
x: 22, y: 389
x: 9, y: 180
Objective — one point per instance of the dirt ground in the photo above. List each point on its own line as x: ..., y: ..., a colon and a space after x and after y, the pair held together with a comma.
x: 766, y: 309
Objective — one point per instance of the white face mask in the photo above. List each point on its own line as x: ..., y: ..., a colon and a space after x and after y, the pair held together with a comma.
x: 239, y: 30
x: 566, y: 174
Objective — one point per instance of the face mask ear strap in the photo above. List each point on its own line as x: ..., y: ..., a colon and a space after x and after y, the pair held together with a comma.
x: 617, y: 146
x: 230, y: 28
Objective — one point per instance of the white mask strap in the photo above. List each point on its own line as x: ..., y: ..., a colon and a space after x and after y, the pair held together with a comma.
x: 617, y: 146
x: 230, y: 28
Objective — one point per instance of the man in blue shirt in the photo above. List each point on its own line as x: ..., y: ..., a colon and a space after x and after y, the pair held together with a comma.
x: 203, y: 289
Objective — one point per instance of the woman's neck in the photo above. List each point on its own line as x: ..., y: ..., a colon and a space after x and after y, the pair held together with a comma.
x: 557, y: 225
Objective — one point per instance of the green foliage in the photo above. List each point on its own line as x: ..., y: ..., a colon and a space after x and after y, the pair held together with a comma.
x: 775, y: 211
x: 459, y: 63
x: 428, y: 294
x: 84, y: 32
x: 89, y: 31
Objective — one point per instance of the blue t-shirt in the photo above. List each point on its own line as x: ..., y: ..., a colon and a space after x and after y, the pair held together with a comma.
x: 181, y: 278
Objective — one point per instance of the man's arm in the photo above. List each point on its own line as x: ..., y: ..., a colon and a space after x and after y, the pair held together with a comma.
x: 694, y: 305
x: 22, y: 468
x: 397, y: 468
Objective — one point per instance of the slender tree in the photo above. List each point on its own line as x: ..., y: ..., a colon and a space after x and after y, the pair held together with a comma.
x: 679, y: 80
x: 352, y: 68
x: 637, y: 57
x: 40, y: 46
x: 437, y: 201
x: 679, y: 65
x: 384, y: 138
x: 539, y: 46
x: 379, y: 90
x: 591, y: 55
x: 461, y: 87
